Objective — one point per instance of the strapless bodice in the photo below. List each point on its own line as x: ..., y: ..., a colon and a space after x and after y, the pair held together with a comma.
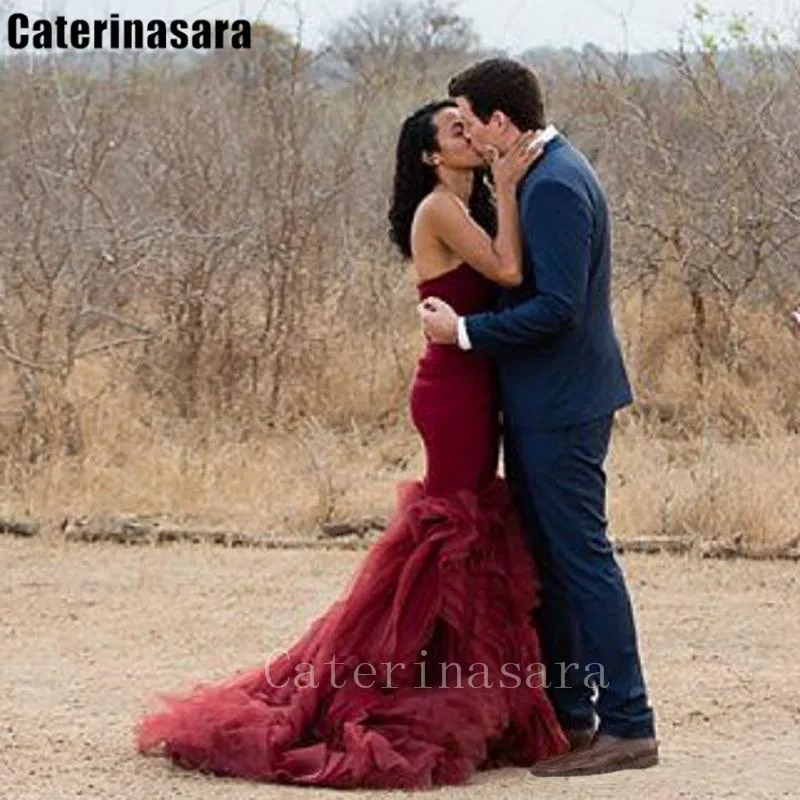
x: 463, y: 288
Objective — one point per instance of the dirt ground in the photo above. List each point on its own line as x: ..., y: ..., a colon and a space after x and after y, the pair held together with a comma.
x: 90, y: 631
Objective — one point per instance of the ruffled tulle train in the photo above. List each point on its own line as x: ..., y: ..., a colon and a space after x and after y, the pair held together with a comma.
x: 449, y: 582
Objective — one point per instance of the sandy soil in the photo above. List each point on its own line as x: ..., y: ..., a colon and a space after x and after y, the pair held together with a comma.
x: 89, y: 631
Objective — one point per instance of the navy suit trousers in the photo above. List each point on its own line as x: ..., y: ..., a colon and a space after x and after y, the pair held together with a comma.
x: 585, y: 620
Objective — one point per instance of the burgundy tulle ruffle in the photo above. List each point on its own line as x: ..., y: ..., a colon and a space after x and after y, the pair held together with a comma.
x: 451, y: 581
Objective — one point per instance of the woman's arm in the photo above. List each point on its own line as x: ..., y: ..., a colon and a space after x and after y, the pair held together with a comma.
x: 499, y: 259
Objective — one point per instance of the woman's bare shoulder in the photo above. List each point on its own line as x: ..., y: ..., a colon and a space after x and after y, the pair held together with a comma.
x: 438, y: 204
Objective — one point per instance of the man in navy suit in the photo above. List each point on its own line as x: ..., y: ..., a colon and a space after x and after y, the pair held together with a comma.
x: 562, y: 378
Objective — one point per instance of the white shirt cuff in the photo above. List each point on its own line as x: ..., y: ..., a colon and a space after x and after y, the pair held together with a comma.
x: 463, y: 337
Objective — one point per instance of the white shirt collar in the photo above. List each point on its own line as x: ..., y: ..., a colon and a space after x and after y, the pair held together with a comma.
x: 548, y: 133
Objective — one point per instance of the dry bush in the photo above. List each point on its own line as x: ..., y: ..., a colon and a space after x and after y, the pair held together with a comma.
x: 704, y: 488
x: 200, y: 314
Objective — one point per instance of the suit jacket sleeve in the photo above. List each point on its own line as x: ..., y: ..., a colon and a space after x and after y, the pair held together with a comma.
x: 557, y: 228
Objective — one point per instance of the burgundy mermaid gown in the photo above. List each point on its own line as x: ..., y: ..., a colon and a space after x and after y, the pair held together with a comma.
x: 450, y: 581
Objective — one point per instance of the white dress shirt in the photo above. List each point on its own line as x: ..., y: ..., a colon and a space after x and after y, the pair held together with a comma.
x: 464, y: 343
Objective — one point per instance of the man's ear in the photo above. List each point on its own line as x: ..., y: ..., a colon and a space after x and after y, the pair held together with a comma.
x: 500, y: 119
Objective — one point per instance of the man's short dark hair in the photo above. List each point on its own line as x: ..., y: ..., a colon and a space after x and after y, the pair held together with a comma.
x: 501, y: 84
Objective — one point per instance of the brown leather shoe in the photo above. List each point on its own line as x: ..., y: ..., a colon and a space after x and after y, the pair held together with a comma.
x: 605, y: 754
x: 579, y: 738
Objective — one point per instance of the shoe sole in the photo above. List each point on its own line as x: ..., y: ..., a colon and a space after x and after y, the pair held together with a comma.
x: 637, y: 762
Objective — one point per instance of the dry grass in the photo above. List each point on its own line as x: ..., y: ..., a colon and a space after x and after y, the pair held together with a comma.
x: 290, y: 481
x: 712, y: 490
x: 704, y: 487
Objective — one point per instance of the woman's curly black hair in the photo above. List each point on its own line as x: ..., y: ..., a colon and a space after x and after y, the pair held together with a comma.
x: 414, y: 179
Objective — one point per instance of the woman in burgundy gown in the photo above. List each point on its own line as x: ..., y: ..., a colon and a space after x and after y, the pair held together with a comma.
x: 427, y: 666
